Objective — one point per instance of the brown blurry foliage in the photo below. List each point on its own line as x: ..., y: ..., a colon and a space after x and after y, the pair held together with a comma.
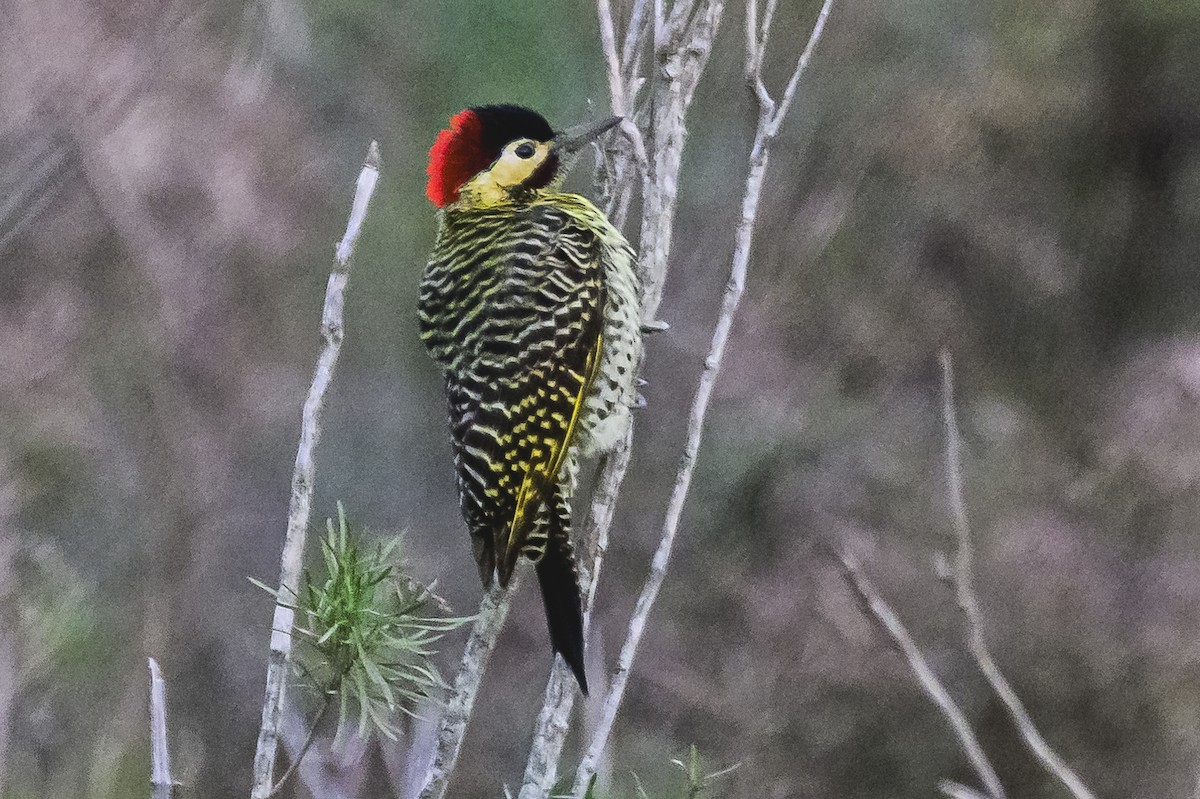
x: 1015, y: 180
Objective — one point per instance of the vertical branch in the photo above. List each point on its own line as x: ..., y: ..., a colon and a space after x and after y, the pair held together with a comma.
x: 608, y: 42
x: 303, y: 476
x: 488, y: 624
x: 161, y: 784
x: 681, y: 54
x: 968, y: 603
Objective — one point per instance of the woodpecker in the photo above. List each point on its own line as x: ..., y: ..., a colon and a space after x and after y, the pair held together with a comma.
x: 530, y: 304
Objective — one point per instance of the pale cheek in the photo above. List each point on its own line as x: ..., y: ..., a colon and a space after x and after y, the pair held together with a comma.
x: 511, y: 171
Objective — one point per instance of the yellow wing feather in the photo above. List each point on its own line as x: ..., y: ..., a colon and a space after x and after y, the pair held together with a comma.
x: 542, y: 474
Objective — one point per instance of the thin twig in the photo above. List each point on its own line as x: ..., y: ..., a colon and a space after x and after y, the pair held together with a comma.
x: 488, y: 624
x: 957, y: 790
x: 303, y: 478
x: 161, y: 784
x: 308, y: 742
x: 886, y: 618
x: 768, y: 126
x: 968, y: 603
x: 789, y: 93
x: 550, y: 732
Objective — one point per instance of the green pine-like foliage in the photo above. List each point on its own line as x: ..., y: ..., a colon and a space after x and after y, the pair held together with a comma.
x: 367, y: 631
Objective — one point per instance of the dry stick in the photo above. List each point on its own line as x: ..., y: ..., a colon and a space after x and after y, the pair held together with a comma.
x: 488, y: 624
x: 680, y: 56
x: 886, y: 618
x: 957, y: 790
x: 969, y: 604
x: 638, y: 27
x: 770, y: 118
x: 161, y: 784
x: 303, y: 477
x: 327, y: 696
x: 551, y: 728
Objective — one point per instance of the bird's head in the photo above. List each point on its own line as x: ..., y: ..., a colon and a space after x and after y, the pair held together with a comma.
x: 492, y: 151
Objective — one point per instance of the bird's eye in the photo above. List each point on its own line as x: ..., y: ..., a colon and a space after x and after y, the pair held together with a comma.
x: 524, y: 150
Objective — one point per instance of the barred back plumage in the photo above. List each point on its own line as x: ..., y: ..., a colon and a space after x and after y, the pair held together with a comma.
x: 529, y: 304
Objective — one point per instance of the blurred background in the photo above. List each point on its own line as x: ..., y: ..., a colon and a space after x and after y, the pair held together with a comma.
x: 1017, y: 180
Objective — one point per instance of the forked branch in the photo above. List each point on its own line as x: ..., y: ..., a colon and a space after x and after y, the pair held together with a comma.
x: 883, y: 615
x: 969, y: 605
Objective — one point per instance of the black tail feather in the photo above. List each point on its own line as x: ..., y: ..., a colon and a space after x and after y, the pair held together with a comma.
x: 560, y: 595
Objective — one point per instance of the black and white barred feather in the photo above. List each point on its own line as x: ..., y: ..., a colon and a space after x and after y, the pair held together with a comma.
x: 530, y: 307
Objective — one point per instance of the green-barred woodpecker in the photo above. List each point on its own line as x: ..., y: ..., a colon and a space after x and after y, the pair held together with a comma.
x: 530, y: 304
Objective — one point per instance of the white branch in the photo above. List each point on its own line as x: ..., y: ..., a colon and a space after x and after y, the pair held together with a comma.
x: 550, y: 732
x: 634, y: 36
x: 789, y: 93
x: 674, y: 77
x: 886, y: 618
x: 161, y: 784
x: 969, y: 604
x: 743, y: 242
x: 957, y: 790
x: 303, y: 477
x: 608, y: 41
x: 488, y: 624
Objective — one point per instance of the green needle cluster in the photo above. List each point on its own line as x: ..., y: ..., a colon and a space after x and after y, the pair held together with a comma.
x: 369, y: 640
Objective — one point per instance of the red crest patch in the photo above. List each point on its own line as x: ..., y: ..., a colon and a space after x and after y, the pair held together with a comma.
x: 456, y: 156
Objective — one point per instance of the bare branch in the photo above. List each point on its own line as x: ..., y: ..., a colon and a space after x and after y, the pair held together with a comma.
x: 674, y: 80
x: 298, y: 757
x: 969, y: 604
x: 933, y: 688
x: 541, y: 770
x: 957, y: 790
x: 764, y: 30
x: 608, y: 41
x: 303, y: 477
x: 660, y: 24
x: 753, y: 50
x: 161, y: 784
x: 488, y: 624
x: 638, y: 29
x: 743, y: 242
x: 789, y: 93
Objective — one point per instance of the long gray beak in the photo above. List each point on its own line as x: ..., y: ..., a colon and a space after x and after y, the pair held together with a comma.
x: 568, y: 143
